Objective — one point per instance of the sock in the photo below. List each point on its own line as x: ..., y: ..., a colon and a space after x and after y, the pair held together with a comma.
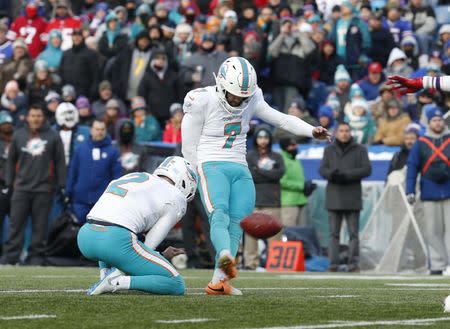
x: 217, y: 276
x: 122, y: 282
x: 103, y: 272
x: 226, y: 252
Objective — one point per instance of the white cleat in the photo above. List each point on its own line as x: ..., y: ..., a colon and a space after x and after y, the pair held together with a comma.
x: 104, y: 285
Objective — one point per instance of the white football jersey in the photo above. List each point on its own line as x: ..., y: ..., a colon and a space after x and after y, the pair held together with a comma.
x: 138, y: 201
x: 210, y: 133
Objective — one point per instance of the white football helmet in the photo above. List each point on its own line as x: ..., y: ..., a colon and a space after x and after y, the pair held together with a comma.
x: 238, y: 77
x: 67, y: 115
x: 181, y: 172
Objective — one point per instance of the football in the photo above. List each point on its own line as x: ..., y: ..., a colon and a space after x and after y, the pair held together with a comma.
x: 260, y: 225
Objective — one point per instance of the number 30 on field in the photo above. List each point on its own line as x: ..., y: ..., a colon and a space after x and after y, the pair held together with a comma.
x: 285, y: 257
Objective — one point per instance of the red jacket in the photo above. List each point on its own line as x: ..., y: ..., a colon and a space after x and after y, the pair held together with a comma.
x: 66, y: 26
x: 170, y: 136
x: 32, y: 31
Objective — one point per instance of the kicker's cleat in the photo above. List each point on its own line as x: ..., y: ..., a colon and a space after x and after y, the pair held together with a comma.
x: 223, y: 287
x: 228, y: 266
x: 105, y: 285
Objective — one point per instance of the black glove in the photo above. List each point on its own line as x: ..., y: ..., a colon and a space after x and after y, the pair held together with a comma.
x: 338, y: 177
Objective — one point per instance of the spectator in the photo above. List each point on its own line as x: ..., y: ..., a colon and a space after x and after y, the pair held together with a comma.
x: 199, y: 68
x: 372, y: 82
x: 142, y: 14
x: 94, y: 164
x: 18, y: 66
x: 79, y: 67
x: 292, y: 185
x: 267, y: 26
x: 111, y: 117
x: 52, y: 100
x: 298, y: 109
x: 35, y: 168
x: 397, y: 64
x: 6, y: 132
x: 72, y: 133
x: 379, y: 107
x: 429, y: 157
x: 391, y: 127
x: 53, y: 53
x: 411, y: 49
x: 291, y: 64
x: 105, y: 93
x: 382, y: 40
x: 266, y: 168
x: 129, y: 67
x: 352, y: 39
x: 184, y: 43
x: 360, y: 121
x: 230, y: 35
x: 146, y: 126
x: 132, y: 155
x: 112, y: 41
x: 15, y: 103
x: 41, y: 82
x: 327, y: 63
x: 160, y: 86
x: 65, y: 22
x: 122, y: 16
x: 398, y: 26
x: 98, y: 15
x: 31, y: 28
x: 327, y: 119
x: 68, y: 93
x: 252, y: 50
x: 343, y: 165
x: 400, y: 158
x: 172, y: 131
x: 416, y: 108
x: 84, y: 111
x: 6, y: 48
x: 342, y: 83
x: 423, y: 22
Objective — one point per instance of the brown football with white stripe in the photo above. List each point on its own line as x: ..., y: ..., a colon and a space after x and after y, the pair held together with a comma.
x: 260, y: 225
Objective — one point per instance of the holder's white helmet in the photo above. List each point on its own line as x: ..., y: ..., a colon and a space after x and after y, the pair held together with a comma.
x: 67, y: 115
x: 238, y: 77
x: 181, y: 172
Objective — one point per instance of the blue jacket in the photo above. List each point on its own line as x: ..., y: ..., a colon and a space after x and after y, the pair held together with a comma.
x: 93, y: 166
x: 370, y: 90
x: 399, y: 29
x: 435, y: 182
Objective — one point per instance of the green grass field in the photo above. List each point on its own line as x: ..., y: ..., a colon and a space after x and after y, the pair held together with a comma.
x: 56, y: 297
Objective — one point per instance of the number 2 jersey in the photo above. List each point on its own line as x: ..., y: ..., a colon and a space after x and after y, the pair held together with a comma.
x: 210, y: 133
x: 142, y: 203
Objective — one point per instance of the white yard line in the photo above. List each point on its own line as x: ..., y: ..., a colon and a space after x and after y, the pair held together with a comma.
x: 185, y: 321
x: 28, y: 317
x: 338, y: 296
x: 430, y: 285
x: 349, y: 324
x: 41, y: 290
x: 358, y: 277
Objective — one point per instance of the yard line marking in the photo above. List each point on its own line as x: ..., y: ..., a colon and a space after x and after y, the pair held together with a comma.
x: 338, y: 296
x: 431, y: 285
x: 61, y: 276
x: 348, y: 324
x: 331, y: 288
x: 28, y: 317
x: 185, y: 321
x: 357, y: 277
x: 41, y: 290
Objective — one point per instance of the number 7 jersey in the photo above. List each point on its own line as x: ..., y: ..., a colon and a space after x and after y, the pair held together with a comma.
x: 221, y: 135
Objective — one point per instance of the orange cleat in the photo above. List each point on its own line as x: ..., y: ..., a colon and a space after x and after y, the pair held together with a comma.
x: 228, y: 266
x: 223, y: 287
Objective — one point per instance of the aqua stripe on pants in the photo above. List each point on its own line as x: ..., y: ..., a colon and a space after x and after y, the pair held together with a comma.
x: 120, y: 248
x: 228, y: 195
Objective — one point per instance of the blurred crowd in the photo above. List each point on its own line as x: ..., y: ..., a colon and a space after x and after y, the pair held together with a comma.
x: 87, y: 82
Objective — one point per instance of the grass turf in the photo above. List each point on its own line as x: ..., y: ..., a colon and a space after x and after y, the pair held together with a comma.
x: 269, y: 300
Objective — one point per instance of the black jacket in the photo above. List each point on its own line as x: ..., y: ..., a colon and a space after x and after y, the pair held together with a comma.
x: 382, y: 44
x: 120, y: 43
x: 344, y: 169
x: 267, y: 181
x: 80, y: 68
x: 399, y: 160
x: 160, y: 94
x: 36, y: 162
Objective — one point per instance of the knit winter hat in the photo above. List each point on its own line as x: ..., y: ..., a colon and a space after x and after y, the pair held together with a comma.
x: 360, y: 103
x: 341, y: 74
x: 40, y: 65
x: 82, y: 102
x: 326, y: 111
x: 355, y: 90
x: 431, y: 111
x: 138, y: 103
x: 175, y: 107
x: 19, y: 43
x: 112, y: 103
x: 413, y: 128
